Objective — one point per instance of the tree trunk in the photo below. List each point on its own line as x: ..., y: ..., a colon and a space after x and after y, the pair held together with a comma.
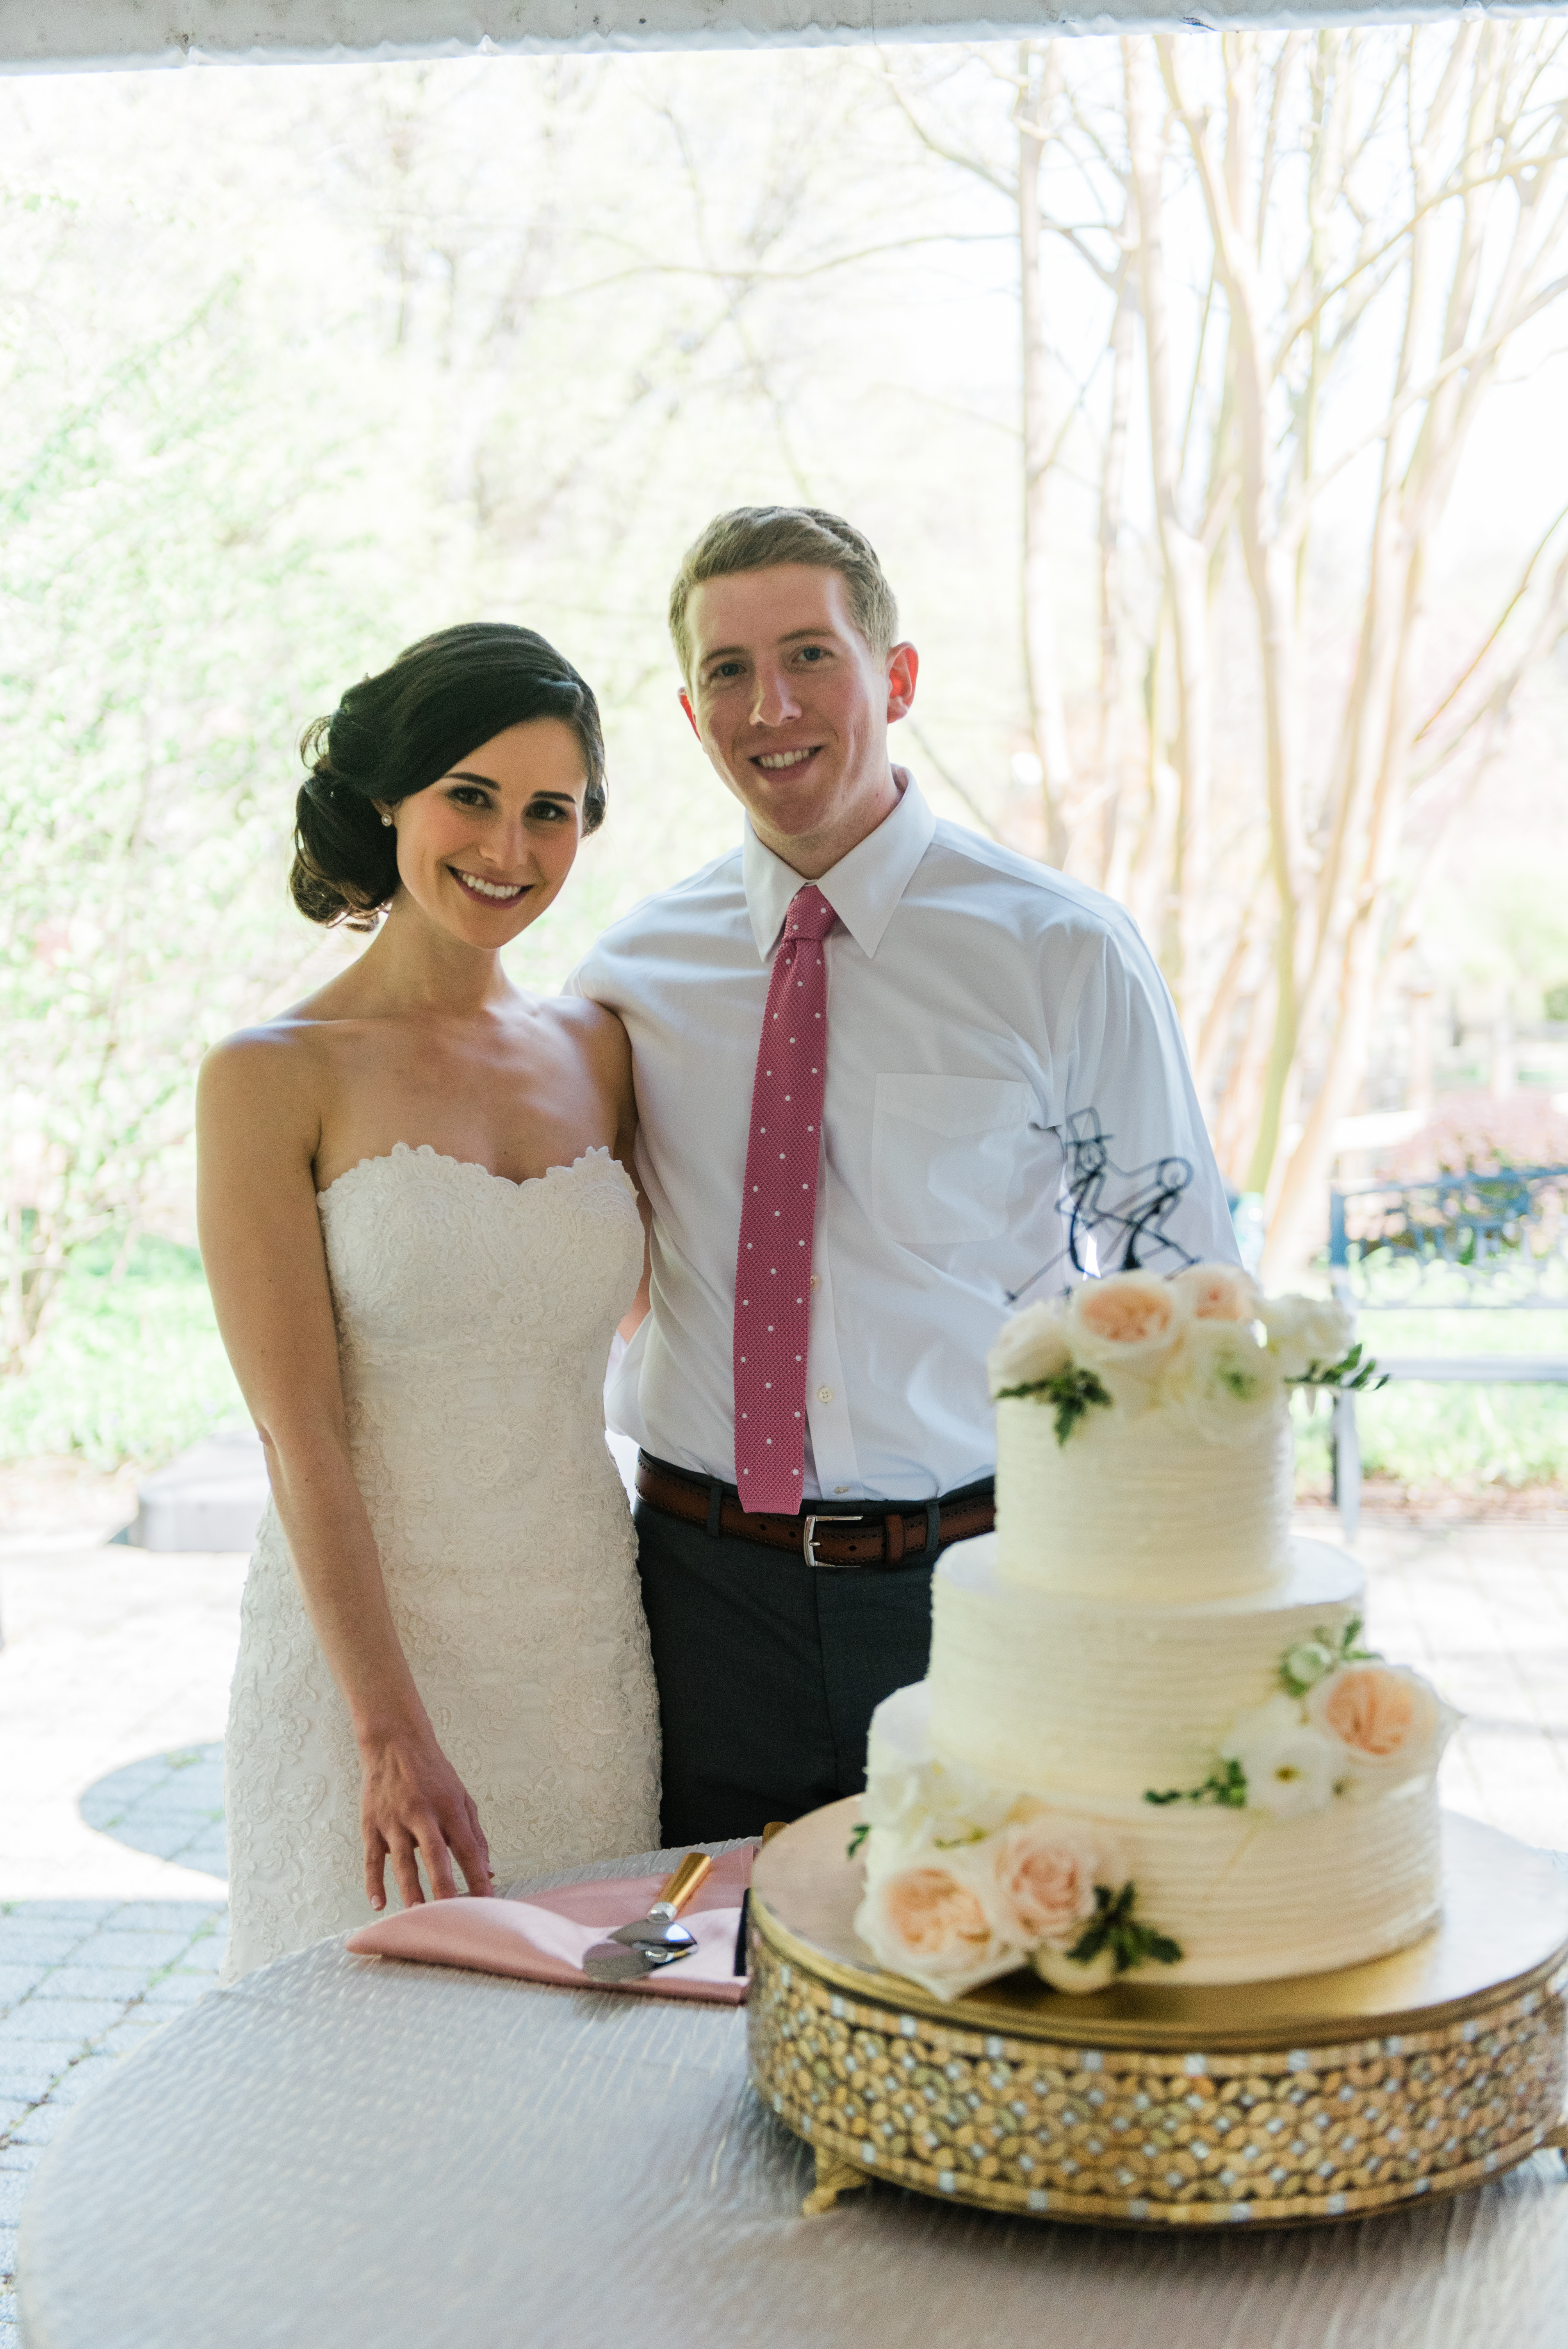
x: 1184, y: 555
x: 1042, y: 660
x: 1112, y: 488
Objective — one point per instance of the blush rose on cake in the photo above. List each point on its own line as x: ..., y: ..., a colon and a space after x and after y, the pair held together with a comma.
x: 1152, y: 1737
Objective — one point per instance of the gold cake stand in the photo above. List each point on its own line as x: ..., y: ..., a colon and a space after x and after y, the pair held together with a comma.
x: 1320, y: 2098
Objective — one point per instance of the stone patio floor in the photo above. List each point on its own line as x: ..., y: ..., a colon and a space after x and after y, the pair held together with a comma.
x: 113, y: 1688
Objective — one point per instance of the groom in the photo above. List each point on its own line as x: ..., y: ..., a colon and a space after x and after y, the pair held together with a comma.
x: 864, y: 1044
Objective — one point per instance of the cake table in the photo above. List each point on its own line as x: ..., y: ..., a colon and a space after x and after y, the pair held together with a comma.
x: 354, y: 2152
x: 1317, y: 2098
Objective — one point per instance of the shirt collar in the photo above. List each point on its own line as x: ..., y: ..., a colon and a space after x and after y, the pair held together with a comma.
x: 863, y: 889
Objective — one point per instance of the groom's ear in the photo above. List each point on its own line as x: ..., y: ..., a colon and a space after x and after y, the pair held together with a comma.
x: 691, y: 713
x: 903, y: 668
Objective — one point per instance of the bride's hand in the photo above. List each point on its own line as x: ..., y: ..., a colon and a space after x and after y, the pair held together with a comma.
x: 415, y: 1807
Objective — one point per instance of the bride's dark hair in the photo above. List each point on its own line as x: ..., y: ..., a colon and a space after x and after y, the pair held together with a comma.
x: 397, y: 733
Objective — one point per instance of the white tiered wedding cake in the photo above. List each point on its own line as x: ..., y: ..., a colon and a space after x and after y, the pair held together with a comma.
x: 1151, y: 1736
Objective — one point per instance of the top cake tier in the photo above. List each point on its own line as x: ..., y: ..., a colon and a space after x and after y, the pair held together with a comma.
x: 1143, y: 1439
x: 1141, y: 1510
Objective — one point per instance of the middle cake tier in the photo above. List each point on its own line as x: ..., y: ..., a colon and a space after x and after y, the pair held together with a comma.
x: 1075, y: 1696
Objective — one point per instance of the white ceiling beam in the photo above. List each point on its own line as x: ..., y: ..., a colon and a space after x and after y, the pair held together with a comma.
x: 63, y: 35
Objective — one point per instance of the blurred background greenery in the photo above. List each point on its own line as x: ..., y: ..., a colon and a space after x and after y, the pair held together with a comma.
x: 299, y: 363
x: 130, y: 1366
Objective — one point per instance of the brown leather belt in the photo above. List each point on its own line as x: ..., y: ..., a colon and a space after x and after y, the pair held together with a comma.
x: 882, y: 1534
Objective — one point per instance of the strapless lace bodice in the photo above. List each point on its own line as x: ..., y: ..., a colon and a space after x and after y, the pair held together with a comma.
x: 437, y: 1263
x: 474, y: 1320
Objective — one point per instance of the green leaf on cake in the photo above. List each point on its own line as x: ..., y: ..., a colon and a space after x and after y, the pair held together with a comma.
x: 1311, y: 1660
x: 1071, y: 1391
x: 1306, y: 1664
x: 1114, y: 1926
x: 1159, y: 1947
x: 1097, y: 1932
x: 1226, y: 1785
x: 1354, y: 1374
x: 857, y: 1837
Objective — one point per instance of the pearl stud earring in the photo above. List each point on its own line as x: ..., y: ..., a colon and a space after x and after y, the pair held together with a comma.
x: 387, y: 821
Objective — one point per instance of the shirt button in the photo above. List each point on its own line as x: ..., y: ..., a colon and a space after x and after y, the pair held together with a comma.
x: 840, y: 1488
x: 816, y: 1280
x: 824, y: 1394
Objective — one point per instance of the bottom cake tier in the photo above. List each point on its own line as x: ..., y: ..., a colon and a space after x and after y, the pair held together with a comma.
x: 1245, y: 1897
x: 1333, y: 2097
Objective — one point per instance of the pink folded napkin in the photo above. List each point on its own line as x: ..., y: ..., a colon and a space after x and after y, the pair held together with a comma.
x: 545, y: 1939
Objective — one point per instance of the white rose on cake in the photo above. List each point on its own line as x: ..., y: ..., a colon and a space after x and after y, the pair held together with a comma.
x: 1030, y: 1348
x: 940, y: 1922
x: 915, y: 1806
x: 1125, y: 1329
x: 1290, y: 1768
x: 1226, y: 1385
x: 1304, y: 1332
x: 1387, y: 1724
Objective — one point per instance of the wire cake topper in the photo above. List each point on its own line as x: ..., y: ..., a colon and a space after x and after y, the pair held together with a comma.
x: 1129, y: 1207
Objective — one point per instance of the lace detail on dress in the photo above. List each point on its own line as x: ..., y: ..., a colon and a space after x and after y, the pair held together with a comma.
x: 474, y: 1320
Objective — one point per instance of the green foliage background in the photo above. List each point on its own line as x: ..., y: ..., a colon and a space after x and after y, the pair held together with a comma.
x: 1473, y: 1439
x: 131, y: 1368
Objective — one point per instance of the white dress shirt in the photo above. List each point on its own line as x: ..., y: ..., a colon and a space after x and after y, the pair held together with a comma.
x: 976, y: 1000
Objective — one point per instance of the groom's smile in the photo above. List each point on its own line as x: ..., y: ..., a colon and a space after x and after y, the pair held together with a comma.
x: 775, y: 762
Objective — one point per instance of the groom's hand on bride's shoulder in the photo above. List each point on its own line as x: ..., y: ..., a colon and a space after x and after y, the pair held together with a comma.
x: 415, y: 1808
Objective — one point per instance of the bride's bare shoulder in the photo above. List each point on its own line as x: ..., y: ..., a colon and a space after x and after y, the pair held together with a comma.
x: 272, y: 1071
x: 306, y: 1036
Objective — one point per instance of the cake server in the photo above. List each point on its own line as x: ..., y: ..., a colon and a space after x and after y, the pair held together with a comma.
x: 648, y: 1942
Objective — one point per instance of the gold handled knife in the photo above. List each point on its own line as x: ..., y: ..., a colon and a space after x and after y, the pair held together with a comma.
x: 649, y: 1942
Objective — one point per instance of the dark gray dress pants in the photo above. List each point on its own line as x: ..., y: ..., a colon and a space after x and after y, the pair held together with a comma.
x: 769, y: 1673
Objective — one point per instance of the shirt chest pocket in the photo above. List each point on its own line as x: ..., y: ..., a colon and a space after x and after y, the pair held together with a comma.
x: 944, y: 1152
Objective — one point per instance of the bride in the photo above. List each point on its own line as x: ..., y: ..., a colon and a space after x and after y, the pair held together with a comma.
x: 420, y: 1233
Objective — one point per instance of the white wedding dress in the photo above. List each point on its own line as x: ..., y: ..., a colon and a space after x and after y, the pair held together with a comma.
x: 474, y: 1320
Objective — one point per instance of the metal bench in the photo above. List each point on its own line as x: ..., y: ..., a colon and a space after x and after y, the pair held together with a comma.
x: 1460, y: 1244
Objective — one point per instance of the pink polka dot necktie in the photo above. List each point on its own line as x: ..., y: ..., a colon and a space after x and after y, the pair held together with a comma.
x: 773, y: 1267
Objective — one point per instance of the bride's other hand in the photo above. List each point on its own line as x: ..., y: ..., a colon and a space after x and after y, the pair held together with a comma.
x: 414, y: 1806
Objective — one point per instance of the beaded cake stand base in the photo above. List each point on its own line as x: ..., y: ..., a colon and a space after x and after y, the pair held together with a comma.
x: 1321, y: 2097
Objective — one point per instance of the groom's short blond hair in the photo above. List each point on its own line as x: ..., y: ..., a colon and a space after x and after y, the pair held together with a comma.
x: 756, y: 538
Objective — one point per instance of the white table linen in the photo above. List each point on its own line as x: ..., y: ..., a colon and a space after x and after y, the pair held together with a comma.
x: 345, y: 2151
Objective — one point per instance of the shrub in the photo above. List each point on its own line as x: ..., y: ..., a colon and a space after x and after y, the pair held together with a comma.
x: 1474, y: 1134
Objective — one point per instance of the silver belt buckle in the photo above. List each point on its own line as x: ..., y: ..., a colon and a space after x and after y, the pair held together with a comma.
x: 829, y: 1565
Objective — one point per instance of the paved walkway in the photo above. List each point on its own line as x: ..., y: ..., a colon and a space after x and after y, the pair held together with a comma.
x: 113, y: 1688
x: 1482, y: 1610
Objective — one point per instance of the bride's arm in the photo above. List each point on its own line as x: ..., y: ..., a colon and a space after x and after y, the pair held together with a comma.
x: 257, y: 1134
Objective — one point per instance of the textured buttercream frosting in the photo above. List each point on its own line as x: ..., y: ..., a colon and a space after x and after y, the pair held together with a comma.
x: 1151, y: 1738
x: 1139, y: 1508
x: 1064, y: 1695
x: 1249, y: 1897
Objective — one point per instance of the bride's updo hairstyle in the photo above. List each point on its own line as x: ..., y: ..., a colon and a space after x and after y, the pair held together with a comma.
x: 396, y: 734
